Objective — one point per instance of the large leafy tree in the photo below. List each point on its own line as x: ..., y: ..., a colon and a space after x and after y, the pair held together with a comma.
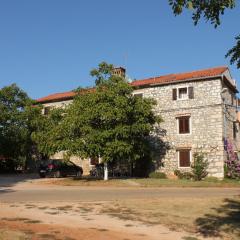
x: 106, y: 122
x: 46, y: 132
x: 17, y: 114
x: 210, y: 10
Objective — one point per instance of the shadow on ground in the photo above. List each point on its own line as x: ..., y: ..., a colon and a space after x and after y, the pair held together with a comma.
x: 3, y: 191
x: 9, y: 180
x: 226, y: 220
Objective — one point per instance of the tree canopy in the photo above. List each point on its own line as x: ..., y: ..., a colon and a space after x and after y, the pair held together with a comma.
x: 210, y: 10
x: 47, y: 133
x: 107, y: 121
x: 16, y: 118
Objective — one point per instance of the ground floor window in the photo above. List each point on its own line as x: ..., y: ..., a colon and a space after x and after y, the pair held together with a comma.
x: 94, y: 161
x: 184, y: 157
x: 184, y: 125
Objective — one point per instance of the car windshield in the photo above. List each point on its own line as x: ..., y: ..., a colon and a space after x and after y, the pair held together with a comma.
x: 57, y: 162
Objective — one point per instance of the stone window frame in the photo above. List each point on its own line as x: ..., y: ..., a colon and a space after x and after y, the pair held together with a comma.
x: 190, y: 124
x: 178, y: 157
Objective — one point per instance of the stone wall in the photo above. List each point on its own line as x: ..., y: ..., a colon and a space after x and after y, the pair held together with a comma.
x: 230, y: 112
x: 206, y: 118
x: 60, y: 104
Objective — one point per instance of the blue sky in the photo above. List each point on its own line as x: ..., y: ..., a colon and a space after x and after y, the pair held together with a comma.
x: 49, y: 46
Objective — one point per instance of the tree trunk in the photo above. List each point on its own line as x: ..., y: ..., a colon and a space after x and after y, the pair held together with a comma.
x: 105, y: 171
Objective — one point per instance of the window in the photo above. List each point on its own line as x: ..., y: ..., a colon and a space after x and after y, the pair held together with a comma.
x: 183, y: 124
x: 182, y: 93
x: 234, y: 102
x: 235, y: 130
x: 94, y: 161
x: 46, y: 110
x: 184, y: 158
x: 139, y: 95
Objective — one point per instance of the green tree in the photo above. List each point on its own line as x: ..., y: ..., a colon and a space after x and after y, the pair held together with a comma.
x: 17, y: 114
x: 210, y: 10
x: 107, y: 122
x: 47, y: 134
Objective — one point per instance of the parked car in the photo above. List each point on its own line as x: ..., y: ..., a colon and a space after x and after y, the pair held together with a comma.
x: 59, y: 168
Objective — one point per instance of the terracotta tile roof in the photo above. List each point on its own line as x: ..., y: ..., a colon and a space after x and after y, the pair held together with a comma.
x: 171, y: 78
x: 60, y: 96
x: 166, y: 79
x: 57, y: 96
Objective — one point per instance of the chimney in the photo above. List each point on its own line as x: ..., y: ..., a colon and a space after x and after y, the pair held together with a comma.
x: 119, y: 71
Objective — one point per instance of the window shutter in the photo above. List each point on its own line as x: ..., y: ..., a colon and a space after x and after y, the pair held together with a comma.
x: 184, y: 125
x: 186, y: 121
x: 184, y: 158
x: 190, y: 93
x: 174, y: 94
x: 181, y: 125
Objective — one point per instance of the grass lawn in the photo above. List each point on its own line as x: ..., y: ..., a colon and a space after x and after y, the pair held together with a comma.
x: 144, y: 182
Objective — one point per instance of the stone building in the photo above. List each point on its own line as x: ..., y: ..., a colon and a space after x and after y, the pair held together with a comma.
x: 199, y: 111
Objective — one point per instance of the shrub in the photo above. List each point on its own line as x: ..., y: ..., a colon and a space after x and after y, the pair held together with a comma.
x: 159, y: 175
x: 232, y: 164
x: 199, y: 167
x: 183, y: 175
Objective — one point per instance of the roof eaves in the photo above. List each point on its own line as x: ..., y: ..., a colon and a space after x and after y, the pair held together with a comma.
x: 57, y: 99
x: 187, y: 80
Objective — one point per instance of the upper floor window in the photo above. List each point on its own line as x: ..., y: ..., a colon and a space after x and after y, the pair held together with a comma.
x: 182, y: 93
x: 183, y: 125
x: 46, y: 110
x: 140, y: 95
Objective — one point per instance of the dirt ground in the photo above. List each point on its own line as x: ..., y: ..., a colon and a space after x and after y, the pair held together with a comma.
x: 88, y: 221
x: 173, y: 217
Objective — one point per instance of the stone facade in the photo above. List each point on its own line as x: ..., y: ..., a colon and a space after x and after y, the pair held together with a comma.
x: 206, y: 124
x: 212, y: 117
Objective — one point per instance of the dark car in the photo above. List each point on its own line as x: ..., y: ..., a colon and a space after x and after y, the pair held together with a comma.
x: 59, y: 168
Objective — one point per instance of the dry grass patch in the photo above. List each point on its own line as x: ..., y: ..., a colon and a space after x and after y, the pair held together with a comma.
x: 213, y: 217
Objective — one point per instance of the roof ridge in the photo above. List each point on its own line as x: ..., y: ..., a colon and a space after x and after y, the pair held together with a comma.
x: 194, y: 71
